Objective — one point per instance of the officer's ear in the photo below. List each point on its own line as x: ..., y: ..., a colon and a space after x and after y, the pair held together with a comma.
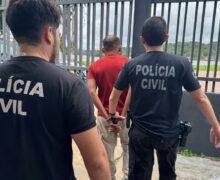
x: 166, y: 37
x: 142, y: 40
x: 48, y: 35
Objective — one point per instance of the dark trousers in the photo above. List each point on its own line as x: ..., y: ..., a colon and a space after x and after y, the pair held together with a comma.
x: 141, y: 156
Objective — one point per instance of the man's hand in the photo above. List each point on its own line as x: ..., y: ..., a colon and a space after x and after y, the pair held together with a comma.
x: 116, y: 123
x: 215, y: 136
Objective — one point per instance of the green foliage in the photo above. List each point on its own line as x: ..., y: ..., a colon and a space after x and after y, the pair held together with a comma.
x: 188, y: 153
x: 205, y: 67
x: 187, y: 50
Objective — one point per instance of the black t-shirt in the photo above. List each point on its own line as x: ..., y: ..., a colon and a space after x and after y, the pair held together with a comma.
x: 156, y: 80
x: 41, y: 105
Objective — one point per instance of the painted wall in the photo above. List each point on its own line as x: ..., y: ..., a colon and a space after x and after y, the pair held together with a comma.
x: 198, y: 140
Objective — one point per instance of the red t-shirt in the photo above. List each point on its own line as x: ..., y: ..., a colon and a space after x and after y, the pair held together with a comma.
x: 105, y: 72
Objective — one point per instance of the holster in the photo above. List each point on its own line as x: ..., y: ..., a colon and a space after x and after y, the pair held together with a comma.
x: 128, y: 119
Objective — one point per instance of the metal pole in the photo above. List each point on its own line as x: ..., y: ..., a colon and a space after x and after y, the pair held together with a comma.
x: 142, y: 11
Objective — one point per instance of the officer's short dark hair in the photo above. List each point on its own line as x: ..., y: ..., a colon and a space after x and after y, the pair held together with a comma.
x: 28, y: 18
x: 154, y: 30
x: 111, y: 42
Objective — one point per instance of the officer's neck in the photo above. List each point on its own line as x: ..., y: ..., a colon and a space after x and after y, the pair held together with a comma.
x: 153, y: 48
x: 36, y: 51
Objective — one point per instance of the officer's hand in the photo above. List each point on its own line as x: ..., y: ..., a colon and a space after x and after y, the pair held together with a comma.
x: 115, y: 118
x: 215, y: 136
x: 115, y: 123
x: 116, y: 127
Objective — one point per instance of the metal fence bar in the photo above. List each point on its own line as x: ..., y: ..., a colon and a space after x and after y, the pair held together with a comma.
x: 93, y: 30
x: 81, y: 34
x: 5, y: 30
x: 101, y: 28
x: 184, y: 28
x: 122, y: 21
x: 155, y: 9
x: 4, y: 35
x: 129, y: 28
x: 64, y: 50
x: 62, y: 2
x: 176, y: 1
x: 88, y: 33
x: 141, y: 12
x: 107, y: 19
x: 8, y: 44
x: 200, y: 39
x: 177, y: 28
x: 216, y: 59
x: 68, y: 35
x: 194, y: 32
x: 116, y: 18
x: 211, y: 41
x: 168, y: 24
x: 209, y: 79
x: 75, y: 34
x: 162, y: 10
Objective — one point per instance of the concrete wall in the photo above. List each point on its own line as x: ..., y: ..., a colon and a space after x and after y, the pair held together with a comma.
x: 198, y: 140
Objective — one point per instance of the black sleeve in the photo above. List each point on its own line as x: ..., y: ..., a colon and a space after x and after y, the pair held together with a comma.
x: 190, y: 81
x: 79, y: 109
x: 122, y: 81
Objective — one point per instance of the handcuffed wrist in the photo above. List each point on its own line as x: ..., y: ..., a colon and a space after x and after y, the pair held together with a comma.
x: 112, y: 114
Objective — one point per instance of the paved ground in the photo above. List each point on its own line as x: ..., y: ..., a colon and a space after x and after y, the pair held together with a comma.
x: 188, y: 168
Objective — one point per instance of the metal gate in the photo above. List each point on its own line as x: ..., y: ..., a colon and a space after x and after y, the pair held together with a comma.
x: 194, y: 30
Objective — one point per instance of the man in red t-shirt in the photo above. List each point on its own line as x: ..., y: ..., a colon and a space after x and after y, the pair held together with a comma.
x: 102, y: 75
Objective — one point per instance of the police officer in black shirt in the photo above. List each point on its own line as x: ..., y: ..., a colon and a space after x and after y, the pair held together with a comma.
x: 42, y: 107
x: 156, y: 79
